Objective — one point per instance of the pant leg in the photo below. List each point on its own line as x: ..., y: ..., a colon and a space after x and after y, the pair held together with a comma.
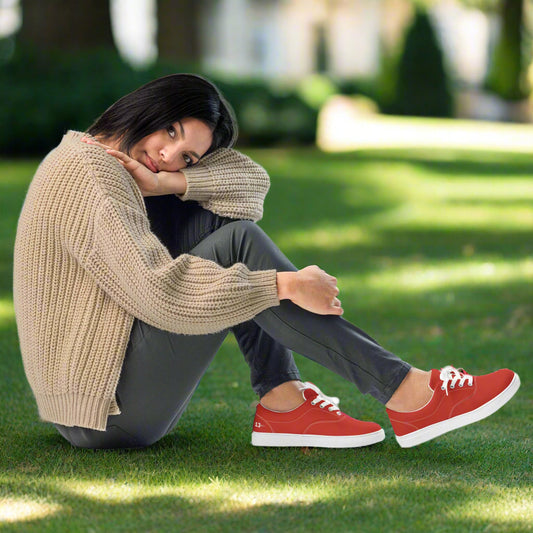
x: 329, y: 340
x: 271, y: 363
x: 161, y: 371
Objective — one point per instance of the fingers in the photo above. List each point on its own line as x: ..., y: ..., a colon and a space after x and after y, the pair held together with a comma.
x: 121, y: 156
x: 87, y: 140
x: 336, y: 307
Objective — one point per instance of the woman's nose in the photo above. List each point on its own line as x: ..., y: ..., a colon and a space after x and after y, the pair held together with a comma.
x: 169, y: 155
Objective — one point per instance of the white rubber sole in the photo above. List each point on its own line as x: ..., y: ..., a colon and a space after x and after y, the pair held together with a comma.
x: 435, y: 430
x: 317, y: 441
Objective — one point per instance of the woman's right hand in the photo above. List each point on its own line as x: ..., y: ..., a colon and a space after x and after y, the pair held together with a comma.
x: 149, y: 183
x: 312, y: 289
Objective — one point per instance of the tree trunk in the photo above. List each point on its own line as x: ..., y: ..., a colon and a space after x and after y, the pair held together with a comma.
x: 178, y: 35
x: 66, y: 24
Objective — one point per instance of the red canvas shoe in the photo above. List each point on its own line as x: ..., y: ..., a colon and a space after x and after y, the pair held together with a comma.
x: 458, y: 399
x: 332, y: 399
x: 317, y: 422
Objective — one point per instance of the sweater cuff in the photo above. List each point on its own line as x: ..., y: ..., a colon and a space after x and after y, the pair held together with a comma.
x: 265, y: 288
x: 200, y: 184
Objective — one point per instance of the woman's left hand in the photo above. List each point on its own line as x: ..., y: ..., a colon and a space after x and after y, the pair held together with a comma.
x: 148, y: 182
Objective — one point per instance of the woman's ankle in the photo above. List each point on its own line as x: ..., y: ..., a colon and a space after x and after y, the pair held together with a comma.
x: 413, y: 393
x: 284, y: 397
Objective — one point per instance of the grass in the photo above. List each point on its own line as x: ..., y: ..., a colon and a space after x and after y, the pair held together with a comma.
x: 434, y: 257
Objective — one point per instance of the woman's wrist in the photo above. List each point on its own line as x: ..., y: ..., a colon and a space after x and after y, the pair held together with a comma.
x: 286, y: 284
x: 171, y: 182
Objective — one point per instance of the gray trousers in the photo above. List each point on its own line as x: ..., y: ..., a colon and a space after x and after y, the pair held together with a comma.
x: 161, y: 369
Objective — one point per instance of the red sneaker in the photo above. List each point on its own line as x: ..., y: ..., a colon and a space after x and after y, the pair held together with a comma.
x: 458, y: 399
x: 317, y: 422
x: 332, y: 399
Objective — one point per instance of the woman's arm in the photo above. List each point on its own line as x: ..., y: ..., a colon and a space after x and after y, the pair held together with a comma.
x: 225, y: 182
x: 229, y: 184
x: 136, y: 270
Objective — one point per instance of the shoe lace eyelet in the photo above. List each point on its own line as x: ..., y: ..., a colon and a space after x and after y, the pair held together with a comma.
x: 461, y: 385
x: 452, y: 386
x: 443, y: 388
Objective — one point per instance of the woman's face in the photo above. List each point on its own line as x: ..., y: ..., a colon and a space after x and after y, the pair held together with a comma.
x: 174, y: 148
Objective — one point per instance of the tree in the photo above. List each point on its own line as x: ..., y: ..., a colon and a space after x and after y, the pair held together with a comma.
x: 507, y: 74
x: 178, y: 35
x: 509, y: 62
x: 422, y: 84
x: 66, y: 25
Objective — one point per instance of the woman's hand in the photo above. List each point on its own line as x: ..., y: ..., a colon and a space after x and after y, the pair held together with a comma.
x: 312, y: 289
x: 150, y: 183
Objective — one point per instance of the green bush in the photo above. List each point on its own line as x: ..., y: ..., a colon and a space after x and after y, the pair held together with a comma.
x: 422, y: 87
x: 507, y: 75
x: 41, y: 96
x: 44, y: 95
x: 268, y: 114
x: 387, y: 79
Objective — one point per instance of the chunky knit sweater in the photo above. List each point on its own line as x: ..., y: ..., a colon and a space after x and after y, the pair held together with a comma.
x: 86, y: 264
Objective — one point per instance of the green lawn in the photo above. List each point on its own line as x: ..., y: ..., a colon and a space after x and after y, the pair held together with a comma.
x: 434, y: 256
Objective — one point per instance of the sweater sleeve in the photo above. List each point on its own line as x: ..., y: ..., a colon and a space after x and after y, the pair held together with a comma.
x: 188, y: 294
x: 229, y: 184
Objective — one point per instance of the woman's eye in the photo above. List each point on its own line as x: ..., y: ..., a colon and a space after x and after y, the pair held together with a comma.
x: 187, y: 160
x: 171, y: 131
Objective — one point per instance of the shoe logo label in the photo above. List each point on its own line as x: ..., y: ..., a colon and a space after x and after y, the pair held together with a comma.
x: 258, y: 425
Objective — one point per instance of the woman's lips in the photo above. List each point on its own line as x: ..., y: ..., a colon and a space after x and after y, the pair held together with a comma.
x: 150, y: 164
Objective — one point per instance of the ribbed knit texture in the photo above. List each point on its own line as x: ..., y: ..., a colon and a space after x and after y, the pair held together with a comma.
x: 227, y: 183
x: 86, y: 264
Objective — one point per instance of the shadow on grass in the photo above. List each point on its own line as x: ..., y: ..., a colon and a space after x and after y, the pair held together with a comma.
x: 444, y: 485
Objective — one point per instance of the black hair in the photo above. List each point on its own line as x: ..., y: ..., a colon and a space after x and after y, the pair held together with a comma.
x: 162, y: 102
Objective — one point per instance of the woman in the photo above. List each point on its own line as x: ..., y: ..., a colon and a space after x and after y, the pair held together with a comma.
x: 124, y: 290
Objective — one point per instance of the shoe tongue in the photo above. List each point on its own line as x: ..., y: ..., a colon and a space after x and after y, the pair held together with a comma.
x: 309, y: 394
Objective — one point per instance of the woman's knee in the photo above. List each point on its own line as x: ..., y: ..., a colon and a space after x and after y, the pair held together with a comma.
x: 243, y: 241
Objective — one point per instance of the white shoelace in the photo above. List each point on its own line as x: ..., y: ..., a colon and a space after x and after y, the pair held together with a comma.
x: 331, y: 399
x: 455, y: 376
x: 324, y: 403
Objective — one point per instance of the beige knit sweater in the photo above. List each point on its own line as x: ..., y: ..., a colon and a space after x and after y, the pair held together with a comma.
x: 86, y: 264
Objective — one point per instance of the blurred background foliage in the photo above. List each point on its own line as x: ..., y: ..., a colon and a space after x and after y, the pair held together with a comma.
x: 62, y: 69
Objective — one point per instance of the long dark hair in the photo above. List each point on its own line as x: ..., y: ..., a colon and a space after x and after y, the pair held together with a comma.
x: 160, y: 103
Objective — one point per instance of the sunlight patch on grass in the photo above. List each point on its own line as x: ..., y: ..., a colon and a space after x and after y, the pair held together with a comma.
x: 342, y: 126
x: 7, y: 311
x: 512, y: 508
x: 326, y: 237
x: 219, y: 494
x: 500, y: 190
x: 424, y: 276
x: 19, y: 510
x: 437, y: 216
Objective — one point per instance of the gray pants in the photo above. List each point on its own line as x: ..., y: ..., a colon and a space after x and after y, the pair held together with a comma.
x: 161, y: 369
